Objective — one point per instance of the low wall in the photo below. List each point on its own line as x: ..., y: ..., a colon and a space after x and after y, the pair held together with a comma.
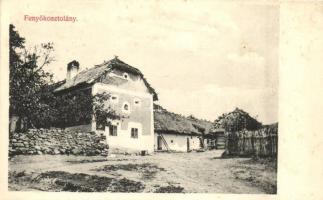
x: 57, y: 141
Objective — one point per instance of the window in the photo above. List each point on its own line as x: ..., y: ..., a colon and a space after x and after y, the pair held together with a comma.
x: 137, y: 102
x: 114, y: 98
x: 126, y: 107
x: 171, y: 141
x: 125, y: 75
x: 100, y: 126
x: 134, y: 132
x: 113, y: 130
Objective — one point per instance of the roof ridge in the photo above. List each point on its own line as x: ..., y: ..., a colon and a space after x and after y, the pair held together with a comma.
x: 89, y: 75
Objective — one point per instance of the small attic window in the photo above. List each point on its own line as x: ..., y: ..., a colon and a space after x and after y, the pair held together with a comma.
x: 137, y: 102
x: 125, y: 75
x: 126, y: 107
x: 114, y: 98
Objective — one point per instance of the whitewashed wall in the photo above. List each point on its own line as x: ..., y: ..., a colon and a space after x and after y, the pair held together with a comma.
x: 178, y: 142
x: 139, y: 117
x: 124, y: 142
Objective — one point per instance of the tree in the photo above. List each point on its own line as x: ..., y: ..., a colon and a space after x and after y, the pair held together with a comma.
x: 103, y: 111
x: 27, y: 78
x: 237, y: 120
x: 81, y: 107
x: 31, y: 92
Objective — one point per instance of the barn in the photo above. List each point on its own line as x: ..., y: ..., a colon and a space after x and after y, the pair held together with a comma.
x: 174, y: 132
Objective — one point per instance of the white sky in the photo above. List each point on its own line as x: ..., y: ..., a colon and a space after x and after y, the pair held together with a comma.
x: 202, y: 57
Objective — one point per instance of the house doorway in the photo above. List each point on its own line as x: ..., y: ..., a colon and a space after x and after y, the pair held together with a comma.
x: 202, y: 145
x: 188, y: 144
x: 159, y: 142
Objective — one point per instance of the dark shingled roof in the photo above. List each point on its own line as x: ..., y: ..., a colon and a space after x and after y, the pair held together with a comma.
x: 168, y: 122
x: 93, y: 74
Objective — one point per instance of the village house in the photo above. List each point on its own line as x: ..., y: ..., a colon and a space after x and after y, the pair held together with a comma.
x: 177, y: 133
x: 131, y: 95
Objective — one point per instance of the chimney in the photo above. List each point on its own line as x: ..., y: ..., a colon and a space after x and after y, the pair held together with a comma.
x: 72, y: 70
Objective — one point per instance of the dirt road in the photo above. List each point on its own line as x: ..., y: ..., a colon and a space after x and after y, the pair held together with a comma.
x: 202, y: 172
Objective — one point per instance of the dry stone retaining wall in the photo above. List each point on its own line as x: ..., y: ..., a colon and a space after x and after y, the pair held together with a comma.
x: 57, y: 141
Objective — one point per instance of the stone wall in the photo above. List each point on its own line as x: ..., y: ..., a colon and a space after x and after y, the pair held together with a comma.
x: 57, y: 141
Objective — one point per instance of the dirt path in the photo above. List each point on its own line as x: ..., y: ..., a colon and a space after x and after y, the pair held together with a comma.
x: 187, y: 172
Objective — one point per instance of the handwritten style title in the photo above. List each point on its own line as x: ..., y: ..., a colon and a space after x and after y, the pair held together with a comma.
x: 42, y: 18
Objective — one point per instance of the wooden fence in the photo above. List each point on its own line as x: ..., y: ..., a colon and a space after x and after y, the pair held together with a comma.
x: 262, y: 142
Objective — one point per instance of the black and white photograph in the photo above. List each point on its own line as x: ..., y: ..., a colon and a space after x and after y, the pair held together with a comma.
x: 143, y: 97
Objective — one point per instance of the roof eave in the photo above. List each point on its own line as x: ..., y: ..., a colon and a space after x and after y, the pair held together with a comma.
x: 76, y: 87
x: 177, y: 132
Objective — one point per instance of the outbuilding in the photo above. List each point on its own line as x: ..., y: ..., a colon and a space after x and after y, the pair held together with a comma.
x: 215, y: 139
x: 174, y: 132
